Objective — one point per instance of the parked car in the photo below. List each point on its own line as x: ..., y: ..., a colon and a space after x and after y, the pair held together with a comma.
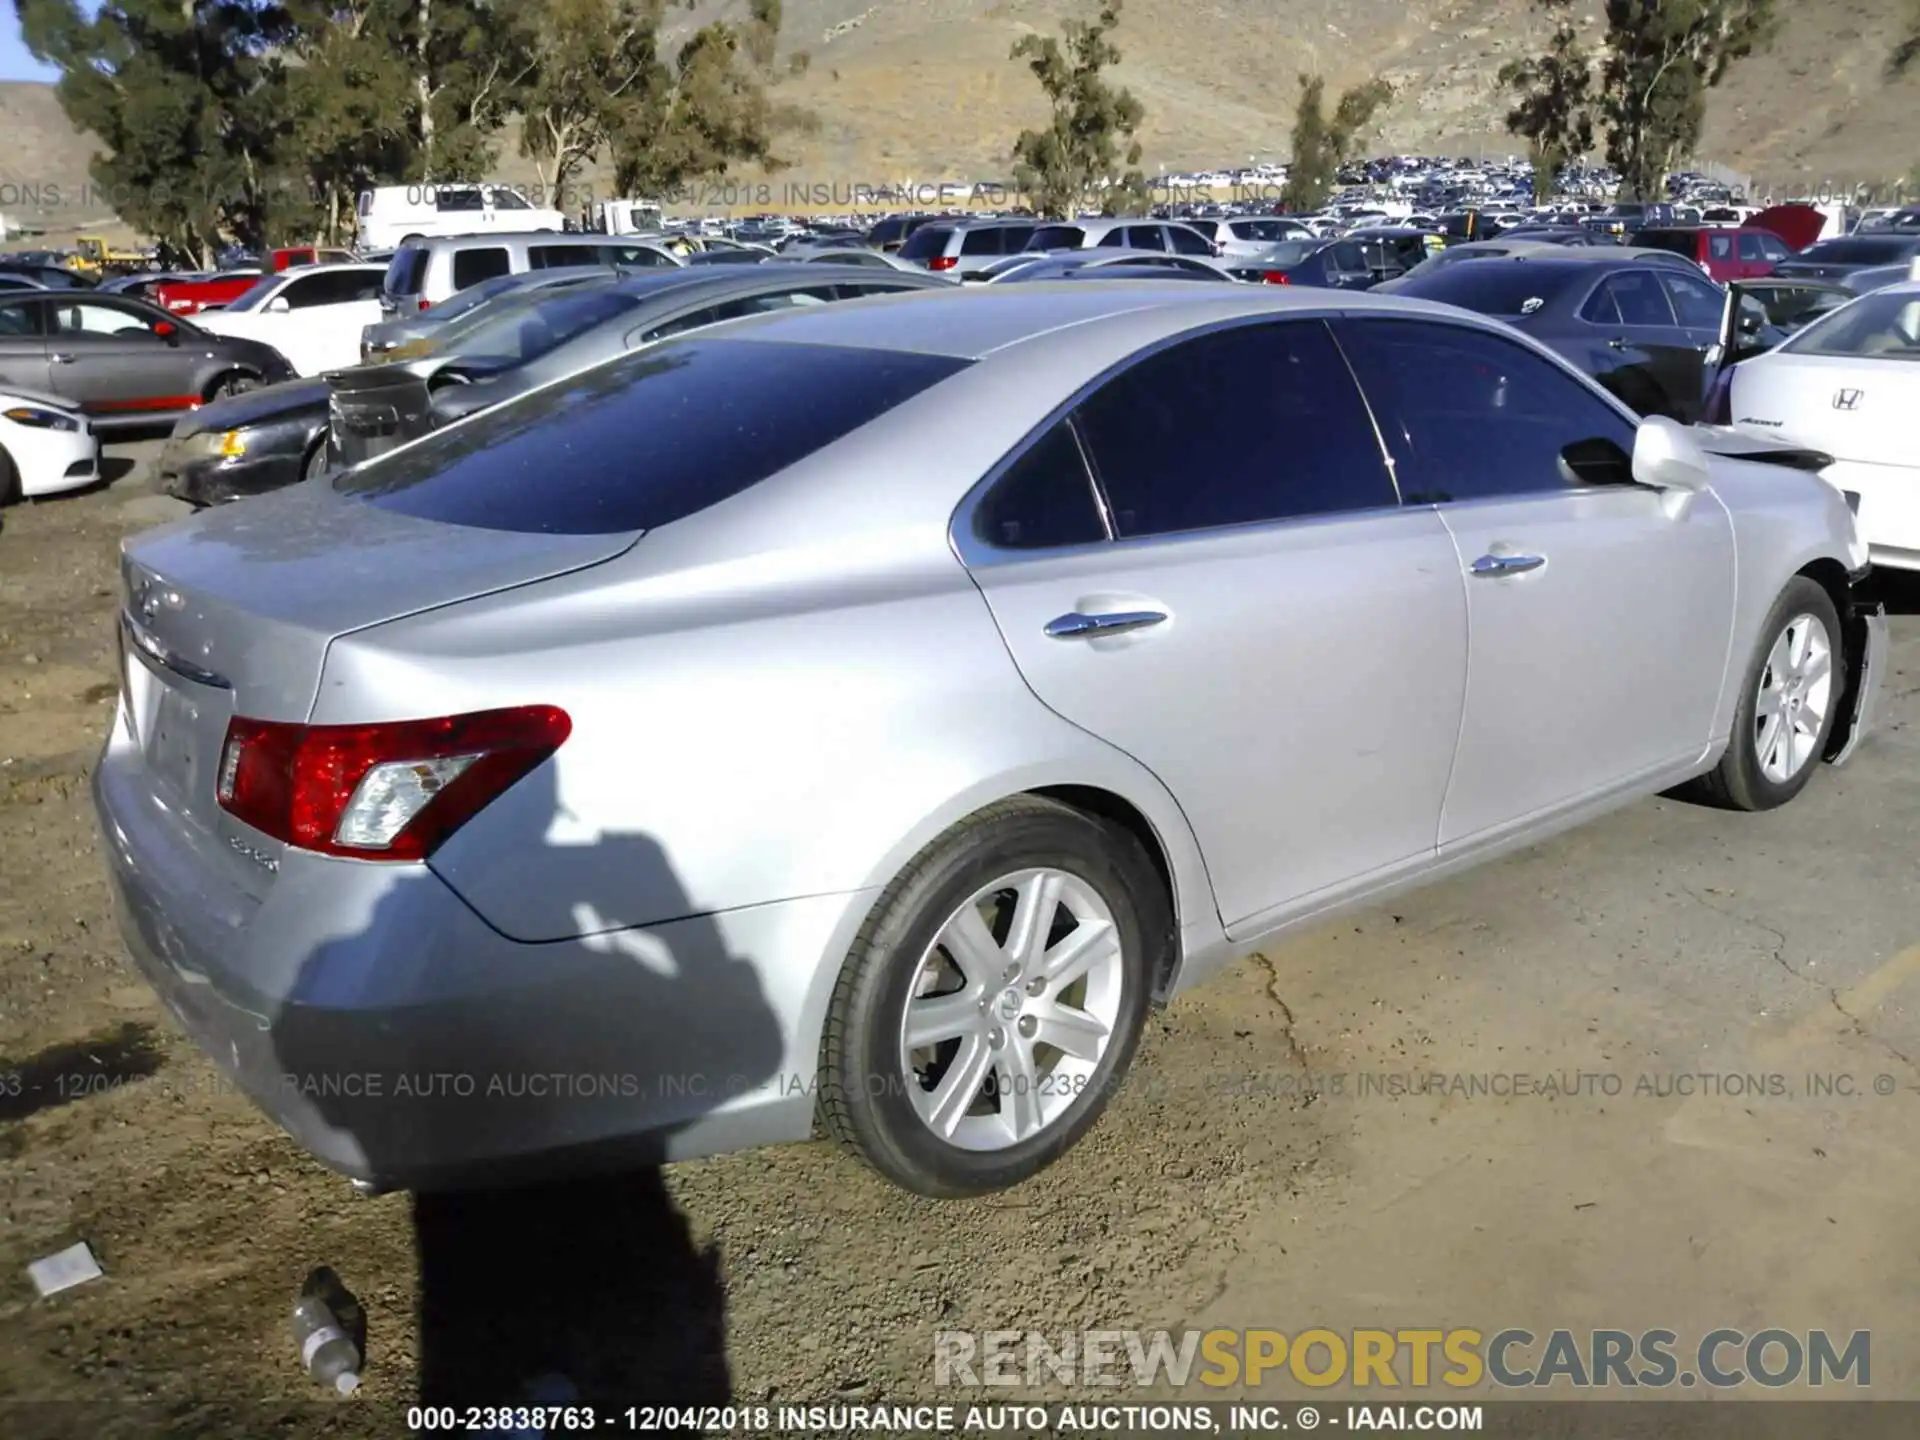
x: 1643, y: 330
x: 1325, y: 264
x: 524, y: 806
x: 46, y: 447
x: 1848, y: 386
x: 51, y: 277
x: 1511, y: 246
x: 209, y: 292
x: 312, y: 314
x: 18, y: 282
x: 121, y: 361
x: 965, y: 248
x: 850, y: 255
x: 512, y: 349
x: 1075, y: 264
x: 142, y: 283
x: 890, y: 233
x: 1545, y: 235
x: 1395, y: 249
x: 390, y: 216
x: 1164, y: 235
x: 1836, y: 259
x: 404, y: 334
x: 1239, y: 238
x: 422, y: 273
x: 1723, y: 253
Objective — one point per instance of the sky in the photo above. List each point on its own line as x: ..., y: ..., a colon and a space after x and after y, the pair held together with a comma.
x: 15, y: 62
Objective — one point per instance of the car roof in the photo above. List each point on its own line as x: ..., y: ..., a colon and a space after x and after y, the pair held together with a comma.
x: 724, y: 280
x: 971, y: 322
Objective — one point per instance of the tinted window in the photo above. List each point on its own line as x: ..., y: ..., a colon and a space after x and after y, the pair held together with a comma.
x: 407, y: 271
x: 1720, y: 247
x: 984, y: 242
x: 646, y: 439
x: 1046, y: 498
x: 679, y: 325
x: 1146, y: 237
x: 502, y: 199
x: 1116, y: 239
x: 470, y: 267
x: 1772, y: 247
x: 341, y: 287
x: 18, y: 320
x: 1513, y: 287
x: 927, y: 242
x: 554, y: 257
x: 1057, y: 237
x: 1638, y: 298
x: 97, y: 319
x: 1188, y: 242
x: 1753, y: 247
x: 458, y: 200
x: 1679, y: 242
x: 1698, y: 305
x: 1298, y: 441
x: 1861, y: 250
x: 1470, y: 415
x: 523, y: 332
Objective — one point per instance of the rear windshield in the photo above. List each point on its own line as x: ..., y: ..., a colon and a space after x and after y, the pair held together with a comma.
x: 1861, y: 250
x: 926, y: 242
x: 525, y: 327
x: 1882, y: 326
x: 1057, y: 237
x: 1503, y: 289
x: 1292, y: 252
x: 647, y: 439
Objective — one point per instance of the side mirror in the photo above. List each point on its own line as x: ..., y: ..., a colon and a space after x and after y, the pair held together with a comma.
x: 278, y: 305
x: 167, y: 331
x: 1665, y: 456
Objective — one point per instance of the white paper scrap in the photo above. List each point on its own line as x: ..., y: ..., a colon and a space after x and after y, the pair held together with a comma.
x: 65, y: 1269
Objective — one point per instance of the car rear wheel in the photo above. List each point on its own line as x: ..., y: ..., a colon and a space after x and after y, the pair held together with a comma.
x: 1788, y: 705
x: 994, y: 998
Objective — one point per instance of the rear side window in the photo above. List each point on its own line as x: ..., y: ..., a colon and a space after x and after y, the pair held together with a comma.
x: 983, y: 242
x: 1720, y: 247
x: 459, y: 200
x: 470, y: 267
x: 926, y: 242
x: 1698, y: 305
x: 1167, y: 464
x: 1144, y: 237
x: 1188, y: 242
x: 1057, y: 237
x: 1045, y: 499
x: 407, y: 271
x: 1633, y: 297
x: 555, y: 257
x: 647, y: 439
x: 1678, y: 242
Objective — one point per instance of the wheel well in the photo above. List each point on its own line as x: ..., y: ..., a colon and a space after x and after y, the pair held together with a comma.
x: 1108, y: 806
x: 1831, y: 576
x: 227, y: 374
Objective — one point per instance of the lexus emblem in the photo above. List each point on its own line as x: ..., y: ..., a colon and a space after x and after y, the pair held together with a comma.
x: 1846, y: 400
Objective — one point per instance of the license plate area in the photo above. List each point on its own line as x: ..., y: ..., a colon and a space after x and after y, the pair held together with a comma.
x: 177, y: 725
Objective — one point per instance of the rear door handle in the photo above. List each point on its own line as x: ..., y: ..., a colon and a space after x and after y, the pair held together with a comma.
x: 1616, y: 343
x: 1075, y: 626
x: 1507, y: 564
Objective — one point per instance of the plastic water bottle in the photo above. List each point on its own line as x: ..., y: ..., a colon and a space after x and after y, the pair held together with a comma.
x: 327, y: 1351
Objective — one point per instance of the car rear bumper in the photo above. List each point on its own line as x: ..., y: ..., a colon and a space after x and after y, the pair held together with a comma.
x: 404, y: 1042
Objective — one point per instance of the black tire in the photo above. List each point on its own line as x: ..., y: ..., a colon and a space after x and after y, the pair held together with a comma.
x: 315, y: 465
x: 1738, y: 781
x: 234, y: 382
x: 864, y: 1103
x: 9, y: 479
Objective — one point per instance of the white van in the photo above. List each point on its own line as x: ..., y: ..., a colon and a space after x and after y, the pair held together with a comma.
x: 391, y: 215
x: 628, y: 217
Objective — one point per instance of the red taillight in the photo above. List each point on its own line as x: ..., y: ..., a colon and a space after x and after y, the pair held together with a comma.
x: 424, y: 304
x: 1276, y: 277
x: 384, y: 791
x: 943, y: 262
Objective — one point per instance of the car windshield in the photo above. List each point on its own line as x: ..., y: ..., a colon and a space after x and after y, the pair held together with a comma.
x: 1882, y: 326
x: 524, y: 325
x: 256, y: 295
x: 1518, y: 287
x: 1291, y: 252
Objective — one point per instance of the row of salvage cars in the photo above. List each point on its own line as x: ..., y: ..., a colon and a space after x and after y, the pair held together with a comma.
x: 853, y: 718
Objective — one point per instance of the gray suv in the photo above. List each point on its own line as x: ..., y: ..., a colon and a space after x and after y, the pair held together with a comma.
x: 962, y: 249
x: 426, y: 271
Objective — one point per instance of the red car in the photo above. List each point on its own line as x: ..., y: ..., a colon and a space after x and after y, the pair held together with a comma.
x: 190, y: 297
x: 1725, y: 252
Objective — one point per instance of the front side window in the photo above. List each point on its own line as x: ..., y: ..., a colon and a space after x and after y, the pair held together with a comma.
x: 1632, y: 297
x: 983, y: 242
x: 504, y: 199
x: 1470, y: 415
x: 96, y: 320
x: 1167, y: 464
x: 1046, y: 498
x: 1057, y: 237
x: 461, y: 200
x: 1698, y: 305
x: 559, y: 257
x: 18, y: 322
x: 1114, y: 239
x: 1720, y: 247
x: 470, y: 267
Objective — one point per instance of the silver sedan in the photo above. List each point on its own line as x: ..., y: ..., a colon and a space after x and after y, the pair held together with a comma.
x: 854, y: 719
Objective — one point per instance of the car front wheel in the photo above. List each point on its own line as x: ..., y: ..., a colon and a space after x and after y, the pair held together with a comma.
x: 994, y: 998
x: 1788, y: 704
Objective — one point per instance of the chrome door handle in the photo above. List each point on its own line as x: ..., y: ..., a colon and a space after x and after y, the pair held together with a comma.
x: 1616, y: 343
x: 1075, y: 626
x: 59, y: 359
x: 1507, y: 564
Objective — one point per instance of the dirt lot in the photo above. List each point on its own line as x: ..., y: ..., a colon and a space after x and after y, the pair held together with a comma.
x: 1665, y: 942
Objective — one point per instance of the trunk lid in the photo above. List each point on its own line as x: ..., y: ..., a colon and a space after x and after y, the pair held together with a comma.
x: 1852, y: 409
x: 231, y: 612
x: 1798, y: 225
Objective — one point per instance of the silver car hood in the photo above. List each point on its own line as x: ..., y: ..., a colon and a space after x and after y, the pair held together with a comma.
x: 251, y: 594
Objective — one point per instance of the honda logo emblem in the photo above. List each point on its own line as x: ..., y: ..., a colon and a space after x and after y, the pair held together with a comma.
x: 1846, y: 400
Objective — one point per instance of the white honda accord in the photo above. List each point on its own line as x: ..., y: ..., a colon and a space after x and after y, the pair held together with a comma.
x: 1849, y: 386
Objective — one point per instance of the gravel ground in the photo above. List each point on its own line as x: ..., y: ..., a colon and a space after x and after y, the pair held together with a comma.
x: 1245, y: 1178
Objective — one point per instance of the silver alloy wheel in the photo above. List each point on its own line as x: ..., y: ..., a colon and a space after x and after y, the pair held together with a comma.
x: 1011, y: 1009
x: 1796, y: 689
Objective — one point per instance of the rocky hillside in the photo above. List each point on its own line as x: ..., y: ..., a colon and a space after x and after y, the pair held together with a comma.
x: 925, y: 90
